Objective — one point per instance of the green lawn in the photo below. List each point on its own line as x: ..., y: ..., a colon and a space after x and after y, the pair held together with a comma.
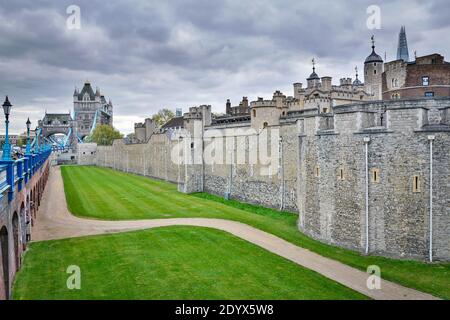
x: 107, y: 194
x: 168, y: 263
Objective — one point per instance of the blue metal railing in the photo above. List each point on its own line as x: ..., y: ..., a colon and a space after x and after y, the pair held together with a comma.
x: 4, y: 186
x: 19, y: 172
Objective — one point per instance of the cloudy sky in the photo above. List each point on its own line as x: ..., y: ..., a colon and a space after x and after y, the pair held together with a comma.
x: 146, y: 55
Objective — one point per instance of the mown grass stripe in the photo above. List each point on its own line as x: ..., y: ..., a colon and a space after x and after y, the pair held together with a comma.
x: 168, y: 263
x: 154, y: 199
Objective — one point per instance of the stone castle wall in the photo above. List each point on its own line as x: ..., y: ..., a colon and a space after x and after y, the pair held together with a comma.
x: 260, y: 182
x: 332, y: 179
x: 152, y: 159
x: 321, y: 172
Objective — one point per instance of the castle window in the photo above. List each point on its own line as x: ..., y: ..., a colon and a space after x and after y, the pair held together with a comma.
x: 374, y: 64
x: 429, y: 94
x: 192, y: 145
x: 341, y: 175
x: 254, y: 113
x: 426, y: 81
x: 416, y: 184
x: 374, y: 71
x: 317, y: 172
x: 265, y: 125
x: 375, y: 175
x: 394, y: 83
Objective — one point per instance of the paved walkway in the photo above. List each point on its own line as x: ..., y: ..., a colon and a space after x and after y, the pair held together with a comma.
x: 55, y: 222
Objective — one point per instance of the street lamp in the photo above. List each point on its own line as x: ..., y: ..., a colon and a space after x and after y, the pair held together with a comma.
x: 28, y: 151
x: 6, y: 146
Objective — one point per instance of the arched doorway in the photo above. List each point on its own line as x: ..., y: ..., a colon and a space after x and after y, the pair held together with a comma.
x: 4, y: 261
x: 16, y: 235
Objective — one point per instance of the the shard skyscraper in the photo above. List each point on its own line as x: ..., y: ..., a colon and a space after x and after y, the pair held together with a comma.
x: 402, y: 50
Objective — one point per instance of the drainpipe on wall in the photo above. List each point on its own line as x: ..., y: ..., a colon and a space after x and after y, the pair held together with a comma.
x: 281, y: 173
x: 366, y: 143
x: 144, y: 161
x: 203, y: 154
x: 165, y: 162
x: 431, y: 139
x: 178, y: 164
x: 127, y: 161
x: 231, y: 174
x: 186, y: 148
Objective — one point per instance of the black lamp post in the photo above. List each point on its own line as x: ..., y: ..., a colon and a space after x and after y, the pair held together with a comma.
x: 7, y: 146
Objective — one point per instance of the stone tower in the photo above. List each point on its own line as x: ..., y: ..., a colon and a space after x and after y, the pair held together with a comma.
x: 373, y: 70
x: 90, y: 108
x: 402, y: 50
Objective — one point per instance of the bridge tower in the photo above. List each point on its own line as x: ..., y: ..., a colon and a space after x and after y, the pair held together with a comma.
x: 90, y: 109
x: 59, y: 123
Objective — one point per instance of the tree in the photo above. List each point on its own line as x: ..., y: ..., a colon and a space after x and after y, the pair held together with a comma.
x: 104, y: 135
x: 163, y: 116
x: 21, y: 141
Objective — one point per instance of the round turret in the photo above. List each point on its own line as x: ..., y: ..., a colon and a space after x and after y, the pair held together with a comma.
x: 374, y: 57
x: 373, y: 70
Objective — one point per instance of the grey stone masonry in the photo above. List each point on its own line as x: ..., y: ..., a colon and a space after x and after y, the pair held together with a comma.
x: 320, y: 171
x: 333, y: 175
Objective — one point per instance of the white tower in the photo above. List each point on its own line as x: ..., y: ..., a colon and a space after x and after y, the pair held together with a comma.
x: 373, y: 70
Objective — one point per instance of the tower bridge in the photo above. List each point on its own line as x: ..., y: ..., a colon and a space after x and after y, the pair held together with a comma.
x: 89, y: 110
x: 54, y: 124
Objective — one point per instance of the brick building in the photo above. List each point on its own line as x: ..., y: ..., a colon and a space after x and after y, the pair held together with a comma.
x: 426, y: 77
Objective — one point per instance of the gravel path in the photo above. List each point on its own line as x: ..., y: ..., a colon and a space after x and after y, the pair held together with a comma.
x: 56, y: 222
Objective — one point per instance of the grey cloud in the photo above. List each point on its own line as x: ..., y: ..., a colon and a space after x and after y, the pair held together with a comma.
x: 145, y: 55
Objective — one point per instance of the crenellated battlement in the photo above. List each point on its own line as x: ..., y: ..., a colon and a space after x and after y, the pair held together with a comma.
x: 384, y: 116
x: 261, y: 103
